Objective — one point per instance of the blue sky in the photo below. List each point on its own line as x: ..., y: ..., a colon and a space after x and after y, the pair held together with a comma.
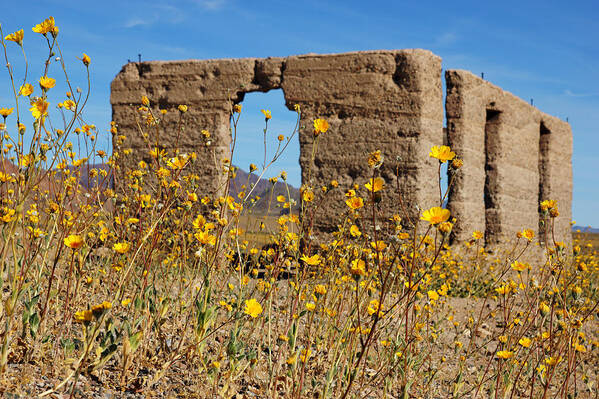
x: 545, y: 50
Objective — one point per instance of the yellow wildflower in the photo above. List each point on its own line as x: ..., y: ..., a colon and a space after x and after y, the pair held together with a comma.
x: 39, y: 108
x: 86, y: 60
x: 83, y: 316
x: 47, y: 26
x: 525, y: 342
x: 320, y: 126
x: 252, y: 308
x: 375, y: 159
x: 355, y: 231
x: 6, y: 111
x: 26, y: 89
x: 375, y: 184
x: 519, y: 266
x: 358, y: 267
x: 433, y: 295
x: 47, y: 83
x: 74, y: 241
x: 355, y: 203
x: 313, y: 260
x: 16, y: 37
x: 505, y: 354
x: 267, y: 114
x: 435, y: 215
x: 443, y: 153
x: 121, y: 247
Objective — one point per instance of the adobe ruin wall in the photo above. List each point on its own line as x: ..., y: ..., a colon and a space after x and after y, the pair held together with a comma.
x: 514, y: 155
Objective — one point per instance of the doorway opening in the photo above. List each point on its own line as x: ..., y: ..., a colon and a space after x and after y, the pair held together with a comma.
x: 273, y: 154
x: 492, y: 216
x: 544, y: 177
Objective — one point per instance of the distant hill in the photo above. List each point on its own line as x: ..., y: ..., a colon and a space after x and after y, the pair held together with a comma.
x: 585, y: 229
x: 85, y: 181
x: 263, y: 190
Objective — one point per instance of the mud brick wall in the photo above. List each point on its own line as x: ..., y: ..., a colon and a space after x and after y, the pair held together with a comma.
x: 514, y: 157
x: 379, y: 100
x: 388, y: 101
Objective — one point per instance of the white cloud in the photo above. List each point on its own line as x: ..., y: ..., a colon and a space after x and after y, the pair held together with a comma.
x: 158, y: 12
x: 570, y: 93
x: 137, y: 21
x: 445, y: 39
x: 211, y: 4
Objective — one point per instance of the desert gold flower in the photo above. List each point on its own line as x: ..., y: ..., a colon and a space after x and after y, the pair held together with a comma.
x: 520, y: 266
x: 26, y: 89
x: 375, y: 307
x: 182, y: 108
x: 477, y: 235
x: 358, y: 267
x: 529, y: 234
x: 544, y: 308
x: 308, y: 195
x: 267, y: 114
x: 121, y: 247
x: 525, y: 342
x: 355, y: 203
x: 355, y: 231
x: 305, y: 355
x: 47, y: 26
x: 443, y: 153
x: 204, y: 237
x: 435, y: 215
x: 375, y: 184
x: 548, y: 204
x: 281, y: 198
x: 85, y: 59
x: 320, y: 126
x: 313, y: 260
x: 69, y: 104
x: 16, y: 37
x: 375, y: 159
x: 457, y: 163
x: 8, y: 215
x: 505, y: 354
x: 237, y: 108
x: 252, y: 308
x: 39, y: 108
x: 177, y: 162
x: 378, y: 246
x: 6, y: 111
x: 280, y: 137
x: 310, y: 306
x: 504, y: 289
x: 145, y: 101
x: 83, y: 316
x: 320, y: 289
x: 445, y: 227
x: 433, y: 295
x: 74, y: 241
x: 47, y: 83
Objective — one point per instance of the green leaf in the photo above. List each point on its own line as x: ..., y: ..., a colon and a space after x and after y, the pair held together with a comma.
x: 135, y: 340
x: 34, y: 323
